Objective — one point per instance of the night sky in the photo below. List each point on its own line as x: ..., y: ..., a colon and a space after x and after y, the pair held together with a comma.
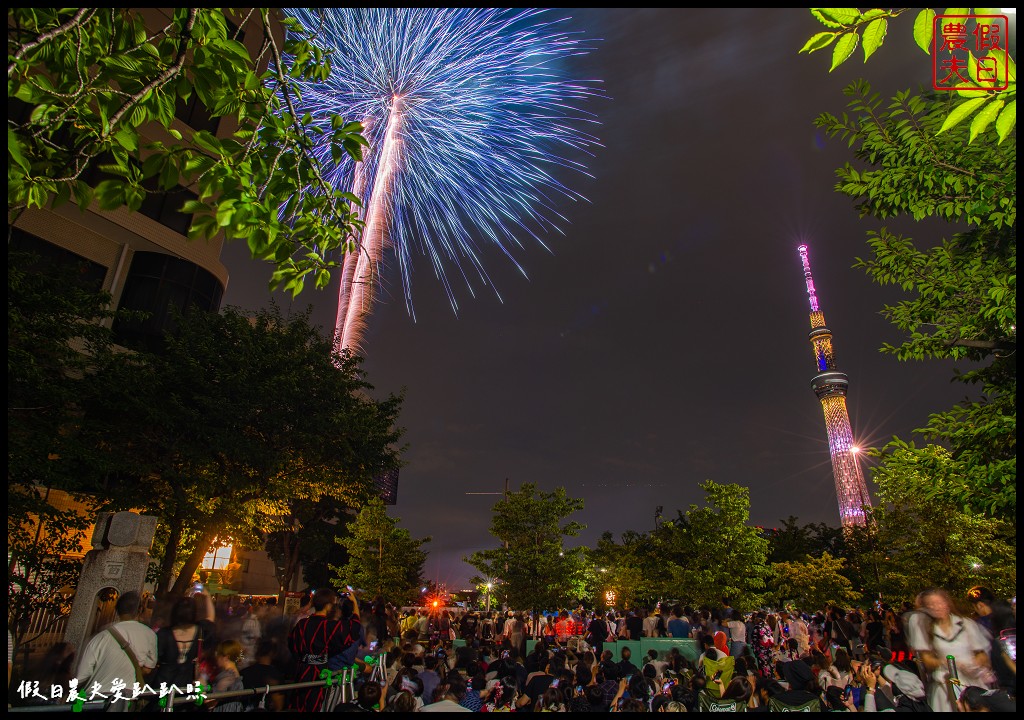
x: 663, y: 341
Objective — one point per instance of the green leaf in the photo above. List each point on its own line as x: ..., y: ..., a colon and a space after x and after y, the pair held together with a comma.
x: 1003, y: 59
x: 923, y: 29
x: 1007, y: 119
x: 127, y: 138
x: 194, y: 206
x: 985, y: 118
x: 14, y: 150
x: 844, y: 16
x: 874, y: 34
x: 816, y: 12
x: 38, y: 116
x: 968, y: 90
x: 844, y: 49
x: 960, y: 112
x: 819, y: 41
x: 957, y: 11
x: 174, y: 133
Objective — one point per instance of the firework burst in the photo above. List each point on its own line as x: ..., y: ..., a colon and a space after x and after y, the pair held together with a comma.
x: 469, y: 113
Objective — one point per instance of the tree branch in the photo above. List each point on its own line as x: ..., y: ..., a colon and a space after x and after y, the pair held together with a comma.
x: 160, y: 79
x: 80, y: 17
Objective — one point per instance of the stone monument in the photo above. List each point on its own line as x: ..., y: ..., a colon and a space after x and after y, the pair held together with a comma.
x: 119, y: 559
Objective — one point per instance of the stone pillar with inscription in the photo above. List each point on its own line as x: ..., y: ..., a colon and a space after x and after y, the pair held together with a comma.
x: 119, y: 559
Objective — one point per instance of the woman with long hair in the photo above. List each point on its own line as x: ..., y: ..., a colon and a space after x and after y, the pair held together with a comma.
x: 942, y: 633
x: 503, y: 696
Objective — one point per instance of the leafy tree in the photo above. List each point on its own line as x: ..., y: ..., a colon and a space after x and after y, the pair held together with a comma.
x: 55, y: 346
x: 384, y: 559
x: 102, y: 85
x: 535, y: 568
x: 919, y: 536
x: 308, y: 541
x: 714, y: 552
x: 961, y: 302
x: 240, y: 416
x: 630, y: 568
x: 848, y: 25
x: 792, y: 542
x: 813, y: 584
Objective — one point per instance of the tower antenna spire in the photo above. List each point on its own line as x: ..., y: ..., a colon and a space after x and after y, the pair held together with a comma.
x: 830, y: 386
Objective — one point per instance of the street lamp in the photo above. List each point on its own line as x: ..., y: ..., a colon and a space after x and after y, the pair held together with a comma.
x: 490, y: 586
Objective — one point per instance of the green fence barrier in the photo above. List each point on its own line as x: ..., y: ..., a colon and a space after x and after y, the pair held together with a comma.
x: 635, y: 650
x: 688, y: 647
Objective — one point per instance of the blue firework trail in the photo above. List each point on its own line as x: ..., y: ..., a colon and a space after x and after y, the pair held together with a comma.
x: 469, y: 114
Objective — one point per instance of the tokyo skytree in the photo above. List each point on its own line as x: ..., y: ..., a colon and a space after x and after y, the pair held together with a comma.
x: 830, y: 386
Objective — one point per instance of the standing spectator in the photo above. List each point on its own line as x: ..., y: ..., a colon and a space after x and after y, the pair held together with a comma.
x: 597, y: 633
x: 312, y: 641
x: 942, y: 633
x: 469, y: 627
x: 998, y: 618
x: 180, y: 646
x: 635, y: 625
x: 874, y: 631
x: 763, y: 644
x: 515, y: 631
x: 654, y: 624
x: 250, y: 635
x: 737, y: 634
x: 799, y: 631
x: 126, y: 652
x: 678, y: 626
x: 379, y: 616
x: 895, y: 639
x: 262, y: 673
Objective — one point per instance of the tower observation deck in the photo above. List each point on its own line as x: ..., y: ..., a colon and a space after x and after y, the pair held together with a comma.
x: 830, y: 387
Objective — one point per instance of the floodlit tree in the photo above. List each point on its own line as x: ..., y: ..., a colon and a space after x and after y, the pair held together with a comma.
x: 630, y: 568
x: 919, y: 536
x: 99, y: 86
x: 813, y: 584
x: 239, y: 416
x: 383, y: 559
x: 534, y: 566
x: 714, y: 552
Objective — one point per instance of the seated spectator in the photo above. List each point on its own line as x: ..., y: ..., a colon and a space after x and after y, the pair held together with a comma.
x: 626, y: 666
x: 367, y: 699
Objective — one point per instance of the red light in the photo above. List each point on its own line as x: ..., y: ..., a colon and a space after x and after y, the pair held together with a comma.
x: 435, y: 603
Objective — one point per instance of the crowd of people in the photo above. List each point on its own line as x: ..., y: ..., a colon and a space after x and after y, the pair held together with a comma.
x: 920, y: 657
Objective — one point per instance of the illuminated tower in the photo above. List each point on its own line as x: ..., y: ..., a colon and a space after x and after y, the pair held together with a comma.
x: 830, y: 387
